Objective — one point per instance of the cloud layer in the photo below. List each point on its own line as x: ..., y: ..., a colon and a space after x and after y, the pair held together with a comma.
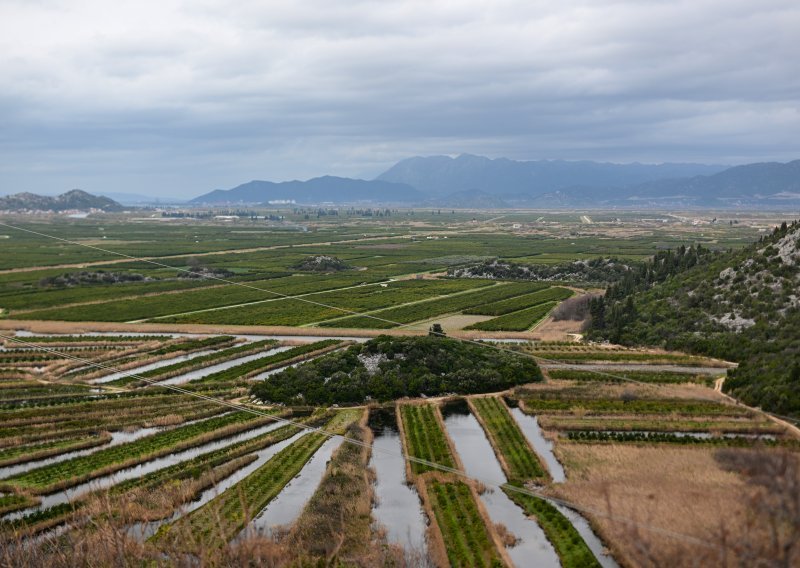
x: 177, y: 97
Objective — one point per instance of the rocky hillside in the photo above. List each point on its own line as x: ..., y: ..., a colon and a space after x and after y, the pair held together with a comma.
x: 743, y: 306
x: 72, y: 200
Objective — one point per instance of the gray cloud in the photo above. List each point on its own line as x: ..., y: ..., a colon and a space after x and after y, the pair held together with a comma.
x: 175, y: 98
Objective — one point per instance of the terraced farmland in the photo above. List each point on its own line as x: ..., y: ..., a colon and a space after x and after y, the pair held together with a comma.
x: 185, y: 473
x: 224, y: 517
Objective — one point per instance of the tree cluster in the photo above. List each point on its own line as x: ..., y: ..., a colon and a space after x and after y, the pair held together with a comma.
x: 389, y: 368
x: 739, y: 305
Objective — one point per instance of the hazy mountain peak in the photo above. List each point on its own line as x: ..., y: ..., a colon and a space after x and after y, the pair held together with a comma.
x: 443, y: 174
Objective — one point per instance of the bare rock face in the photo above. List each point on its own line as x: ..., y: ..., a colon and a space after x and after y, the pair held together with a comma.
x: 322, y: 263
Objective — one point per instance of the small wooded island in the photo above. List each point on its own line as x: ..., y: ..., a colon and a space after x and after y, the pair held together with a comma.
x: 388, y: 368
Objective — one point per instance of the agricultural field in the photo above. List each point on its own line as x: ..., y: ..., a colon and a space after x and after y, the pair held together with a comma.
x: 151, y: 406
x: 190, y: 271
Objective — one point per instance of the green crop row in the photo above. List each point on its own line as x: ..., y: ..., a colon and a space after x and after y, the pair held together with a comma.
x: 101, y: 418
x: 222, y: 518
x: 56, y: 476
x: 424, y: 437
x: 568, y: 543
x: 89, y: 427
x: 79, y: 409
x: 194, y: 344
x: 615, y: 406
x: 259, y: 365
x: 466, y: 538
x: 667, y: 423
x: 32, y: 452
x: 503, y: 307
x: 197, y: 466
x: 620, y: 356
x: 16, y: 502
x: 641, y: 376
x: 522, y: 320
x: 37, y: 391
x: 219, y: 463
x: 666, y: 438
x: 518, y: 458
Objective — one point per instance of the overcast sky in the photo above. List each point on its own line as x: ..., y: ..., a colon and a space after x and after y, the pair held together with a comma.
x: 176, y: 98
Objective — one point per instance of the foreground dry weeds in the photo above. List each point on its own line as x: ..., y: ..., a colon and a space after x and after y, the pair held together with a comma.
x: 641, y: 496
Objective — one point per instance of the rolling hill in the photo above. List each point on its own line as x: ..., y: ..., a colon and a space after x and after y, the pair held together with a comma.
x: 743, y: 306
x: 501, y: 176
x: 326, y: 189
x: 71, y: 200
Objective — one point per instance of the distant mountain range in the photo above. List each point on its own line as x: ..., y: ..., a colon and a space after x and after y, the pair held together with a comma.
x: 475, y: 182
x: 442, y: 174
x: 75, y: 199
x: 469, y: 181
x: 326, y: 189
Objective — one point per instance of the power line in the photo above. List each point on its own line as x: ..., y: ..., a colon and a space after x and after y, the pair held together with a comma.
x: 360, y: 443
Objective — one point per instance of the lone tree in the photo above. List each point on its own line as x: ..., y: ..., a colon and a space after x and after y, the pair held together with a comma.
x: 436, y: 330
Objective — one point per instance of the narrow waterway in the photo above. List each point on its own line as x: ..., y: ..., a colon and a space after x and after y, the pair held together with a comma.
x: 544, y: 447
x: 397, y: 505
x: 477, y: 455
x: 287, y: 506
x: 205, y: 371
x: 103, y: 482
x: 117, y: 438
x: 143, y: 531
x: 150, y: 367
x: 589, y: 537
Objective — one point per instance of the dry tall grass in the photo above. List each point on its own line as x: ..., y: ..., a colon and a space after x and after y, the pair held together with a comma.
x: 673, y: 506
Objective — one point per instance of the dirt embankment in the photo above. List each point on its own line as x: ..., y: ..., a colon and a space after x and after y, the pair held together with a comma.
x: 37, y: 326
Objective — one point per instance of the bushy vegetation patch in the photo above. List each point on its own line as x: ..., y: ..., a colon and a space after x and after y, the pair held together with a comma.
x: 321, y: 263
x: 667, y: 438
x: 387, y: 368
x: 597, y: 270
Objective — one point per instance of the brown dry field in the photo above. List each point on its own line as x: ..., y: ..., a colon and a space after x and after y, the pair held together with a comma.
x: 664, y: 490
x: 449, y: 323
